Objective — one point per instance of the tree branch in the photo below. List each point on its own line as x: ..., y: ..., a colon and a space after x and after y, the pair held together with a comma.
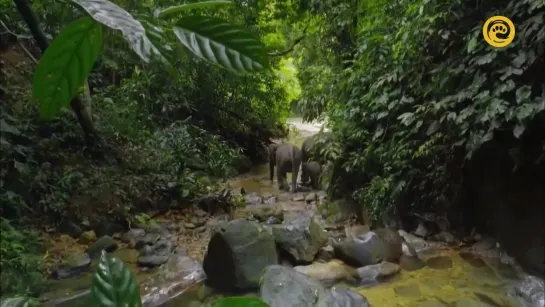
x: 293, y: 44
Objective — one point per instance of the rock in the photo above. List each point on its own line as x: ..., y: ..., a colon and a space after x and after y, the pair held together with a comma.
x: 189, y: 225
x: 263, y: 212
x: 132, y: 235
x: 85, y: 223
x: 273, y: 220
x: 408, y: 250
x: 148, y: 239
x: 87, y: 237
x: 200, y: 213
x: 417, y: 243
x: 445, y: 237
x: 284, y: 287
x: 155, y: 255
x: 302, y: 238
x: 310, y: 197
x: 253, y: 199
x: 421, y: 230
x: 343, y: 298
x: 530, y: 291
x: 270, y: 200
x: 237, y: 254
x: 179, y: 273
x: 127, y: 255
x: 104, y: 243
x: 372, y: 275
x: 298, y: 197
x: 73, y: 267
x: 321, y: 195
x: 200, y: 229
x: 198, y: 222
x: 375, y: 246
x: 325, y: 254
x: 71, y: 229
x: 356, y: 231
x: 328, y: 273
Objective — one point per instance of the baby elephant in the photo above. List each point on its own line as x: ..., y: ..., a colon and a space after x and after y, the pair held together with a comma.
x: 287, y: 159
x: 314, y: 171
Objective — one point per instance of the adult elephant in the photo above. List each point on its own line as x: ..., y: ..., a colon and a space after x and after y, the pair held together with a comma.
x: 287, y: 159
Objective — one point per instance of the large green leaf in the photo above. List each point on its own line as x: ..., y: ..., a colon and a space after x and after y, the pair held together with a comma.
x: 197, y: 5
x: 20, y: 301
x: 115, y: 17
x: 65, y: 65
x: 222, y: 43
x: 114, y: 284
x: 239, y: 301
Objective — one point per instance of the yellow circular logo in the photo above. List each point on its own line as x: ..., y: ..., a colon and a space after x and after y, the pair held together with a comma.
x: 499, y: 31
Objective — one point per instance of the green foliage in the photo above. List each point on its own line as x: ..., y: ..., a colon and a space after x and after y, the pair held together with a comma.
x: 417, y: 90
x: 20, y: 266
x: 20, y: 302
x: 114, y: 284
x: 183, y: 7
x: 220, y: 42
x: 65, y: 65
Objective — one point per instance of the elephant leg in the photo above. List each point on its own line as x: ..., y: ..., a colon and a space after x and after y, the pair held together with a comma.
x: 271, y: 171
x: 280, y: 177
x: 294, y: 173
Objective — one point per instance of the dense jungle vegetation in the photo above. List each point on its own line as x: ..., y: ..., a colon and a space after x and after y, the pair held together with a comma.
x: 409, y: 89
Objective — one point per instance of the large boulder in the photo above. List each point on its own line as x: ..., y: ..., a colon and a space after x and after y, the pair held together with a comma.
x: 284, y: 287
x: 238, y: 252
x: 302, y: 238
x: 372, y: 275
x: 371, y: 248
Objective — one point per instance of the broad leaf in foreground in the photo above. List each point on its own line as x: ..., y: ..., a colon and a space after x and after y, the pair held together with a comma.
x: 65, y: 65
x: 239, y: 301
x: 113, y: 16
x: 114, y: 284
x: 222, y: 43
x: 197, y: 5
x: 20, y: 301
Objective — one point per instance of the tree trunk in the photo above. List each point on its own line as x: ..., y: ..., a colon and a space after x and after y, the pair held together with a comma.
x: 82, y: 111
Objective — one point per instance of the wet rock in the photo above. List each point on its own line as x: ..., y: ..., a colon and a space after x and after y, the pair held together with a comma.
x: 421, y: 230
x: 530, y: 291
x: 328, y: 273
x: 200, y: 229
x: 302, y: 238
x: 178, y: 274
x: 372, y: 275
x: 104, y: 243
x: 417, y: 243
x: 237, y: 253
x: 72, y: 229
x: 298, y: 197
x: 189, y: 225
x: 343, y: 298
x: 147, y: 239
x: 439, y: 263
x: 155, y: 255
x: 325, y: 254
x: 73, y: 267
x: 273, y: 220
x: 253, y: 199
x: 410, y: 261
x: 269, y: 199
x: 284, y: 287
x: 375, y: 246
x: 263, y: 212
x: 310, y: 197
x: 132, y: 235
x: 445, y: 237
x: 87, y: 237
x: 356, y: 231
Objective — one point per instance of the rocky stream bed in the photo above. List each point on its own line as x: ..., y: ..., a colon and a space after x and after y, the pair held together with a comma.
x: 280, y: 246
